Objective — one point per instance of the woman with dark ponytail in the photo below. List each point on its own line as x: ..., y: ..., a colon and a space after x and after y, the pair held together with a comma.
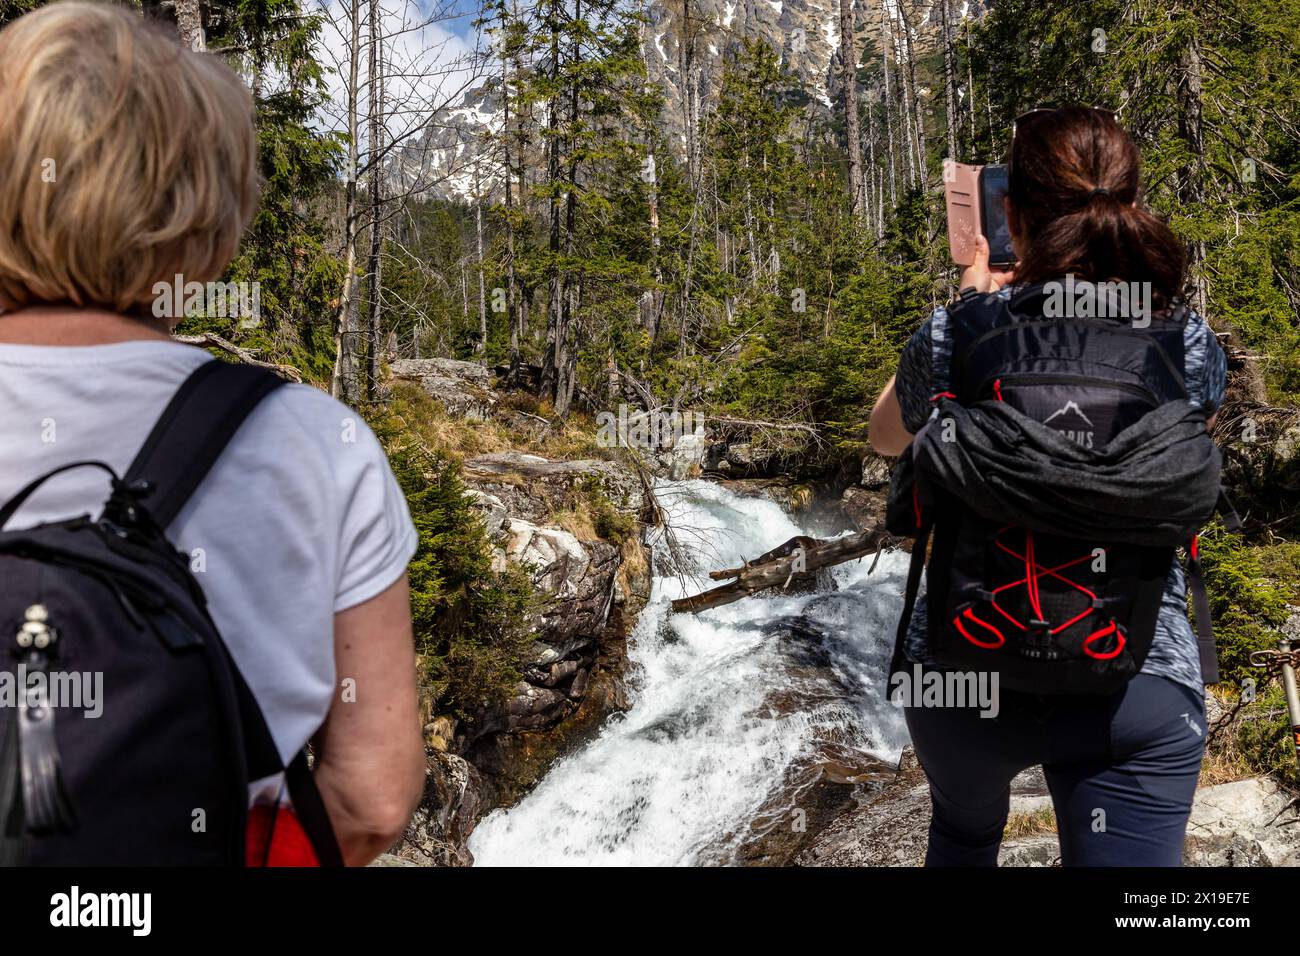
x: 1073, y: 191
x: 1121, y: 755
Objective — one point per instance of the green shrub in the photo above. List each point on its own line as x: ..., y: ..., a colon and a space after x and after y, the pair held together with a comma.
x: 1264, y: 735
x: 610, y: 523
x: 471, y: 622
x: 1247, y: 604
x: 1250, y: 584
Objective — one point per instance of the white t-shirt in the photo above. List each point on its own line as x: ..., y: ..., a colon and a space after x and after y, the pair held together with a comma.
x: 299, y: 518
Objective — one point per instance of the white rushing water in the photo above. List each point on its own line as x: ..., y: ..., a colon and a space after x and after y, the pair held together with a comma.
x: 725, y: 704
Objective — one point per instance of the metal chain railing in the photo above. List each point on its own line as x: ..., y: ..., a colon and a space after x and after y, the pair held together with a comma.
x: 1282, y: 662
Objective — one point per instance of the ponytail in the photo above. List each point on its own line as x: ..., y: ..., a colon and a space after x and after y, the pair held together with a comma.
x: 1074, y: 188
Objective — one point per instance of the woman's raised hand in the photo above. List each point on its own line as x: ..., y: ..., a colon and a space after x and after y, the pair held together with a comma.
x: 979, y: 276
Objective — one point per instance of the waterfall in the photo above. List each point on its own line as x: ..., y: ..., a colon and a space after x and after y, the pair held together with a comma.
x: 731, y: 710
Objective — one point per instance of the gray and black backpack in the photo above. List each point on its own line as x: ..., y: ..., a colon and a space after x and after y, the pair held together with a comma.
x: 1051, y: 611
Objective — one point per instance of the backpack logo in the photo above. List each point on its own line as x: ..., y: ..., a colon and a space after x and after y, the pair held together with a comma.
x: 1071, y: 423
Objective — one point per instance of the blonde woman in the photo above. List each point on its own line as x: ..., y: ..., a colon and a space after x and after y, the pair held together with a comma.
x: 129, y: 161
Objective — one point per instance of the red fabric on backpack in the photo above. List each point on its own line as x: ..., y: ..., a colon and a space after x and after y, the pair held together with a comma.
x: 275, y: 837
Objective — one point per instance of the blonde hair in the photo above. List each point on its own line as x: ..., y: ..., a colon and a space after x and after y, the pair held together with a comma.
x: 128, y: 159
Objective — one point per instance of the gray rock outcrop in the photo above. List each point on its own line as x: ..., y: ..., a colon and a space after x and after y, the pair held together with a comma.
x: 535, y: 488
x: 463, y: 388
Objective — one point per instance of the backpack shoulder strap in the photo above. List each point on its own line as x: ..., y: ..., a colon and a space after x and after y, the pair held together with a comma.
x: 1205, y: 644
x: 972, y: 314
x: 915, y: 567
x: 194, y: 429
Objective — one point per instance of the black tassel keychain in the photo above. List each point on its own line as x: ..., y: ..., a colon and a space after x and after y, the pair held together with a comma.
x: 46, y: 806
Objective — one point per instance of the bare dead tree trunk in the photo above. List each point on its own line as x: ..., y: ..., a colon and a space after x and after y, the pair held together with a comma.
x: 849, y: 65
x: 464, y: 290
x: 886, y: 47
x: 949, y: 76
x: 480, y: 347
x: 691, y: 99
x: 189, y: 24
x: 875, y: 186
x: 773, y: 250
x: 552, y: 361
x: 516, y: 332
x: 568, y: 354
x: 652, y: 299
x: 750, y: 237
x: 914, y: 110
x: 970, y: 86
x: 565, y: 400
x: 343, y: 379
x: 1192, y: 185
x: 795, y: 561
x: 375, y: 265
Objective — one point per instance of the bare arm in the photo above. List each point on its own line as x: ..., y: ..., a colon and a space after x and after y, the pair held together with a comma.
x: 887, y: 434
x: 370, y: 761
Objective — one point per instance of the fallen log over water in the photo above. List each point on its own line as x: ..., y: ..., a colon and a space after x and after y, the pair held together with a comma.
x: 797, y: 559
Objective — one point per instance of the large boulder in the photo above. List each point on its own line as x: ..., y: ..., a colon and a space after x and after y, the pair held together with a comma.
x: 575, y: 578
x: 447, y: 813
x: 888, y: 829
x: 1042, y: 849
x: 865, y: 509
x: 534, y: 488
x: 571, y: 681
x: 686, y: 457
x: 470, y: 372
x: 575, y: 584
x: 496, y: 517
x: 1250, y: 822
x: 463, y: 388
x: 876, y: 472
x: 574, y: 677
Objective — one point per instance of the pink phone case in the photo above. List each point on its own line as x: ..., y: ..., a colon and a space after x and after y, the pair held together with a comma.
x: 961, y: 187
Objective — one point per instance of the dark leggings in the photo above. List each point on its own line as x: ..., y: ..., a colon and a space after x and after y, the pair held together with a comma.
x: 1121, y: 769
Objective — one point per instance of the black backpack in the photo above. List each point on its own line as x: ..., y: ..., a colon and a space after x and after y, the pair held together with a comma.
x: 160, y: 776
x: 1051, y: 614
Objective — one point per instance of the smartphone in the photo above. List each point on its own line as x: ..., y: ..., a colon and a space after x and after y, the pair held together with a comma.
x: 961, y: 185
x: 993, y: 215
x: 974, y: 197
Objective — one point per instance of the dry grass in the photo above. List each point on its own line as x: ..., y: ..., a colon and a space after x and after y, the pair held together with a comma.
x: 1223, y: 766
x: 634, y: 570
x: 1033, y: 823
x: 1224, y: 761
x: 442, y: 433
x: 574, y: 438
x: 578, y: 522
x: 636, y: 559
x: 460, y: 438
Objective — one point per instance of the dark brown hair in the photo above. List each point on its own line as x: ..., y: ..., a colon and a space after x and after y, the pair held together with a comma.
x: 1074, y: 186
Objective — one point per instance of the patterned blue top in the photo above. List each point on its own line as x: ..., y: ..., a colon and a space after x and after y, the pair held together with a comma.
x: 1173, y: 651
